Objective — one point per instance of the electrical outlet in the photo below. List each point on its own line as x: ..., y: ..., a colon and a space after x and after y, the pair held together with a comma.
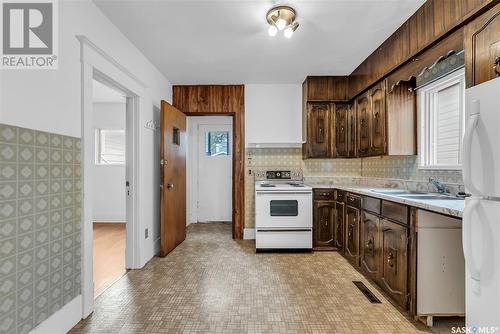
x: 146, y: 233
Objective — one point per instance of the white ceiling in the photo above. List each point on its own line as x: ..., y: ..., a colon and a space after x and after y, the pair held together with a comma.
x: 226, y: 41
x: 104, y: 94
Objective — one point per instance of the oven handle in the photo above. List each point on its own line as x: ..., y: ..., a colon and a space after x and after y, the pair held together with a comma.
x: 286, y: 230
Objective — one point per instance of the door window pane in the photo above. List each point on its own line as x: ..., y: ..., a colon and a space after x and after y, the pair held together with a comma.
x: 217, y: 143
x: 110, y: 147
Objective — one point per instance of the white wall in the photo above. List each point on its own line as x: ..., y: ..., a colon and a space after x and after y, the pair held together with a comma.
x: 50, y: 100
x: 273, y: 113
x: 109, y: 180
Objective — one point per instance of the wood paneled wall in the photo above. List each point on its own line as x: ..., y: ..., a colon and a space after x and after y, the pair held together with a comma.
x: 428, y: 25
x: 206, y: 100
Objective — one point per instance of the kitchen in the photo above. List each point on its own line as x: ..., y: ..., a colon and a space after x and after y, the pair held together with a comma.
x: 321, y: 175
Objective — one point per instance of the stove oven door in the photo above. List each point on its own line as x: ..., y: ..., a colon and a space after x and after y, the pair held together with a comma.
x: 282, y: 210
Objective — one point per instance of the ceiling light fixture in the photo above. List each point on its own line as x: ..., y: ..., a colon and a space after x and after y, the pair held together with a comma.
x: 282, y: 18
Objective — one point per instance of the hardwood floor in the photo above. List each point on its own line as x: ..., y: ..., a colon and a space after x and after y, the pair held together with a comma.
x: 109, y: 254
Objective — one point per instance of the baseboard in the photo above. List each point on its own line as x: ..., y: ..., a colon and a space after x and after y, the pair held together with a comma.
x: 249, y: 233
x: 63, y: 320
x: 109, y: 221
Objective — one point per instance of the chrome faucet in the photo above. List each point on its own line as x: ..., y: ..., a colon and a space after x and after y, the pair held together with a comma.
x: 438, y: 185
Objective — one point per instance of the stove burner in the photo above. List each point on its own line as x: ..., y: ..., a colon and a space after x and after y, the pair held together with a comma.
x: 296, y: 184
x: 267, y: 185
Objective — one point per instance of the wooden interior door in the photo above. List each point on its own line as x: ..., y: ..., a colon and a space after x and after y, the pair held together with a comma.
x: 173, y: 178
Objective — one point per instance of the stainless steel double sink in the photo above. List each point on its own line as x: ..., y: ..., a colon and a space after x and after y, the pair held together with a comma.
x: 419, y: 195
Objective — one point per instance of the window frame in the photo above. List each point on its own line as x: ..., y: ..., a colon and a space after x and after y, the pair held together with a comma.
x: 426, y: 119
x: 98, y: 147
x: 208, y: 143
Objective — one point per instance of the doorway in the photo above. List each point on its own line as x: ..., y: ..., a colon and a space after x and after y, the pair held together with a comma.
x: 109, y: 210
x: 209, y: 162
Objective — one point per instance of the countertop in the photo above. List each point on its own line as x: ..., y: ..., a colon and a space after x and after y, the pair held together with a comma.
x: 451, y: 207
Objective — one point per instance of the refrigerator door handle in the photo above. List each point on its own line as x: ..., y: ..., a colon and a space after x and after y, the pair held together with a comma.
x: 474, y: 271
x: 467, y: 144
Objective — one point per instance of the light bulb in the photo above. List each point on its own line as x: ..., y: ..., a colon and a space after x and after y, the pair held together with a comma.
x: 272, y: 31
x: 280, y: 24
x: 288, y: 32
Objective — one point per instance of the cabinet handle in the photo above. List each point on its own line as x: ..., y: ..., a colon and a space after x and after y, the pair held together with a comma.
x: 390, y: 259
x: 369, y: 247
x: 496, y: 66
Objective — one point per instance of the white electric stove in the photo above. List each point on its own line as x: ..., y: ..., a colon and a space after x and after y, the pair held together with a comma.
x: 283, y: 211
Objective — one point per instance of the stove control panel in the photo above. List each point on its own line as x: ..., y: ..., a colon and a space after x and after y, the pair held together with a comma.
x: 278, y: 175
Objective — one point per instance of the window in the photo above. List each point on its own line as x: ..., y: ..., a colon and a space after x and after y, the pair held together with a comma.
x: 441, y: 122
x: 110, y: 147
x: 216, y: 143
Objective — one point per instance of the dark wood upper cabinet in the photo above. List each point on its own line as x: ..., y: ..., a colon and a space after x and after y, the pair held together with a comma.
x: 319, y: 129
x: 378, y: 120
x: 352, y: 147
x: 402, y: 120
x: 482, y: 47
x: 324, y: 225
x: 370, y: 248
x: 394, y: 261
x: 341, y: 130
x: 325, y: 88
x: 363, y: 124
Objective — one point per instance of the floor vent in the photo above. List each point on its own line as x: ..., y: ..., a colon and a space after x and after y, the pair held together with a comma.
x: 371, y: 297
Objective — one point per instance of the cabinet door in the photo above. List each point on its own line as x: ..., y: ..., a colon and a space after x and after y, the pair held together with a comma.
x: 394, y: 261
x: 363, y: 124
x: 370, y: 245
x: 341, y: 130
x: 351, y: 246
x: 351, y: 133
x: 482, y: 47
x: 377, y: 120
x: 339, y: 225
x: 319, y: 125
x: 324, y: 222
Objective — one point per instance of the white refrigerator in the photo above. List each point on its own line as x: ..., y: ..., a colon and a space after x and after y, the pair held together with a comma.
x: 481, y: 218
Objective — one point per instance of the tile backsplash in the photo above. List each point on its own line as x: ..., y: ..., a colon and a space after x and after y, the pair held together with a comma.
x: 362, y: 170
x: 40, y: 210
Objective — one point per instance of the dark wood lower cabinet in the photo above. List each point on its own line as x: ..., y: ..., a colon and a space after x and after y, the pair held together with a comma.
x: 394, y: 279
x: 324, y: 225
x: 339, y: 225
x: 351, y: 247
x: 370, y: 245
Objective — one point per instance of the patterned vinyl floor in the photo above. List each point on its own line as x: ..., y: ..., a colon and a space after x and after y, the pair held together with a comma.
x: 213, y: 284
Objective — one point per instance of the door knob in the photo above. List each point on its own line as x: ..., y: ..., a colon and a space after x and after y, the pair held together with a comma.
x: 170, y: 185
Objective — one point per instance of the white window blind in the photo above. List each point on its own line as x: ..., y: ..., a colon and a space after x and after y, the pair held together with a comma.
x: 110, y: 147
x: 441, y: 122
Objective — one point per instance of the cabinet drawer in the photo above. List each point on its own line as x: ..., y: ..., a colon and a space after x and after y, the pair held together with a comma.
x: 371, y: 204
x: 353, y: 200
x: 395, y: 211
x: 324, y: 194
x: 340, y: 195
